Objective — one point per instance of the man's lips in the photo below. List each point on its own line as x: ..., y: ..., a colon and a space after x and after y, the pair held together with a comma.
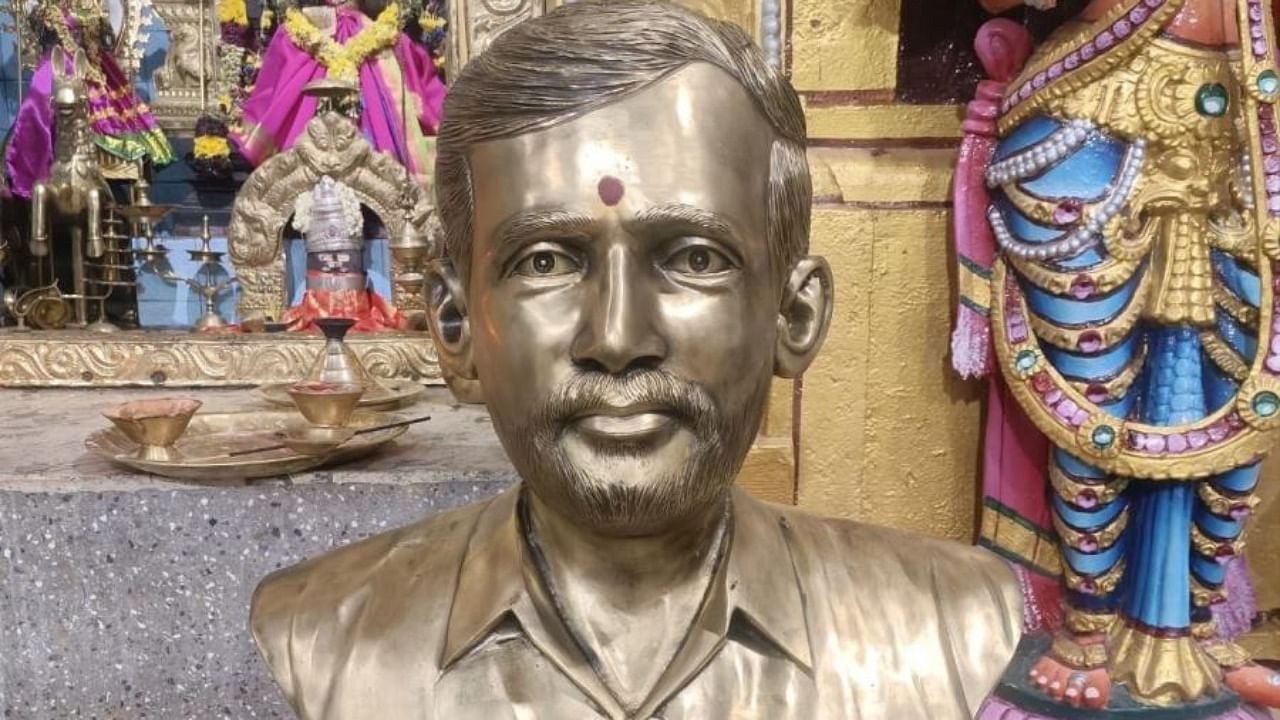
x: 629, y: 423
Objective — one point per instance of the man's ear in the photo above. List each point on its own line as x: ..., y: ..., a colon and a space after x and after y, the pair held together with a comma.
x: 804, y: 316
x: 451, y: 331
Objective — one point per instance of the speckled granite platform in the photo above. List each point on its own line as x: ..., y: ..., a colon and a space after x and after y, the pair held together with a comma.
x: 127, y: 596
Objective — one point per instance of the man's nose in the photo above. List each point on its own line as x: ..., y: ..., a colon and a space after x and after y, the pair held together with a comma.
x: 619, y: 330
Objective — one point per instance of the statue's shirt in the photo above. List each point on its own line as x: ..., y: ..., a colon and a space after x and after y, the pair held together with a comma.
x: 804, y: 618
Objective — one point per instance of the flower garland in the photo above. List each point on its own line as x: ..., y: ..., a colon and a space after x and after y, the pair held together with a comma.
x: 238, y: 64
x: 87, y: 20
x: 343, y: 61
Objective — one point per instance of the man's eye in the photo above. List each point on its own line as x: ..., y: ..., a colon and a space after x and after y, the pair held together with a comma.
x: 546, y: 263
x: 698, y: 260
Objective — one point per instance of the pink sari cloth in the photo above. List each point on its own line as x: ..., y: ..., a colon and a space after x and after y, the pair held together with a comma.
x: 277, y: 112
x: 122, y: 124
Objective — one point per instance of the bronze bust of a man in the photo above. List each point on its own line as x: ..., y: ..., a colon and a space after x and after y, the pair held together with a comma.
x: 626, y: 199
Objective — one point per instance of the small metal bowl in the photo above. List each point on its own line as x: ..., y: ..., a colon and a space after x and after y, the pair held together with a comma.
x: 154, y: 424
x: 326, y: 404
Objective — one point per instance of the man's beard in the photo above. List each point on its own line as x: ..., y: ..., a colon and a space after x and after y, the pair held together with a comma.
x: 593, y: 496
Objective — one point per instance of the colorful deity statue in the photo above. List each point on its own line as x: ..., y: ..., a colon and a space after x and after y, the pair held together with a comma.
x: 400, y: 94
x: 331, y: 220
x: 121, y: 124
x: 1118, y: 231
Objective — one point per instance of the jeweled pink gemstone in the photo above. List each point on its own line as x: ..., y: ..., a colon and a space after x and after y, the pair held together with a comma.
x: 1218, y: 431
x: 1090, y: 341
x: 1272, y: 183
x: 1224, y: 552
x: 1079, y: 417
x: 1086, y: 499
x: 1066, y: 409
x: 1234, y: 421
x: 1271, y: 164
x: 1177, y: 443
x: 1266, y: 111
x: 1067, y: 212
x: 1273, y: 363
x: 1018, y: 334
x: 1266, y: 125
x: 1156, y: 444
x: 1255, y: 13
x: 1052, y: 397
x: 1072, y: 61
x: 1197, y: 439
x: 1087, y: 51
x: 1055, y: 71
x: 1088, y: 586
x: 1139, y: 15
x: 1269, y: 144
x: 1240, y: 511
x: 1273, y: 203
x: 1275, y: 344
x: 1105, y: 40
x: 1153, y: 4
x: 1259, y: 48
x: 1097, y: 393
x: 1083, y: 287
x: 1088, y: 543
x: 1025, y: 92
x: 1137, y: 440
x: 1122, y: 28
x: 1257, y: 32
x: 1041, y: 382
x: 1038, y: 81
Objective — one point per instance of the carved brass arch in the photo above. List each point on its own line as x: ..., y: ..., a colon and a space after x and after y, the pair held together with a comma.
x: 332, y: 145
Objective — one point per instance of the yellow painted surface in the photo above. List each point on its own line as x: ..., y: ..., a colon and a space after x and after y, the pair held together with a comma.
x: 871, y: 123
x: 844, y: 44
x: 888, y: 434
x: 881, y: 175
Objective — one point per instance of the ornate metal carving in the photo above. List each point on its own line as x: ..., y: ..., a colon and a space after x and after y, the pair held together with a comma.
x: 184, y: 82
x: 475, y: 23
x: 71, y: 358
x: 333, y: 146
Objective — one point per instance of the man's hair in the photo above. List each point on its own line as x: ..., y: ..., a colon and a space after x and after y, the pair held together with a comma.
x: 584, y: 56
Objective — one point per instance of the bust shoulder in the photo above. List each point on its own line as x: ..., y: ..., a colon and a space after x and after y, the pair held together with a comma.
x: 958, y: 607
x: 397, y: 580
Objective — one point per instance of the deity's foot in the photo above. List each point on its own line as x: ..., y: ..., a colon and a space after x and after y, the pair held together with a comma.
x: 1074, y: 672
x: 1255, y: 684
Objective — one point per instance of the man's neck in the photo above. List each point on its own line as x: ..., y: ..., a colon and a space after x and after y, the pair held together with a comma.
x: 629, y: 600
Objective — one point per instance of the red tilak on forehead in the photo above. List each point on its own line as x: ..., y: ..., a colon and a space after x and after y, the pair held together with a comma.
x: 611, y: 190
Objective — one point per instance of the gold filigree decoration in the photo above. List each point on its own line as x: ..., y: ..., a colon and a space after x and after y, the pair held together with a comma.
x: 1069, y: 489
x: 1243, y: 447
x: 1102, y: 539
x: 1224, y: 356
x: 1088, y: 623
x: 79, y: 358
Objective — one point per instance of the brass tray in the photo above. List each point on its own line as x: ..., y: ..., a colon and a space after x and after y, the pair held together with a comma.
x: 389, y: 394
x: 210, y: 436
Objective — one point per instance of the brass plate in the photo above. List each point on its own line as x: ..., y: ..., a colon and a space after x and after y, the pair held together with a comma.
x: 390, y: 394
x: 211, y: 436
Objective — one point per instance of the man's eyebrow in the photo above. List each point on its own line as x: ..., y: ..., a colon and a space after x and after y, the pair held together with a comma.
x: 683, y: 217
x: 542, y: 222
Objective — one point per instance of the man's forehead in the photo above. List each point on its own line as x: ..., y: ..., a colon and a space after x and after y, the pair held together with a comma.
x: 695, y: 138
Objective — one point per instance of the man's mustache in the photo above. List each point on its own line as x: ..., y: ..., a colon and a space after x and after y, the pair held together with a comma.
x: 590, y: 393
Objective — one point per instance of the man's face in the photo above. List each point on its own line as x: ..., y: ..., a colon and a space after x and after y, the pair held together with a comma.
x: 622, y: 306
